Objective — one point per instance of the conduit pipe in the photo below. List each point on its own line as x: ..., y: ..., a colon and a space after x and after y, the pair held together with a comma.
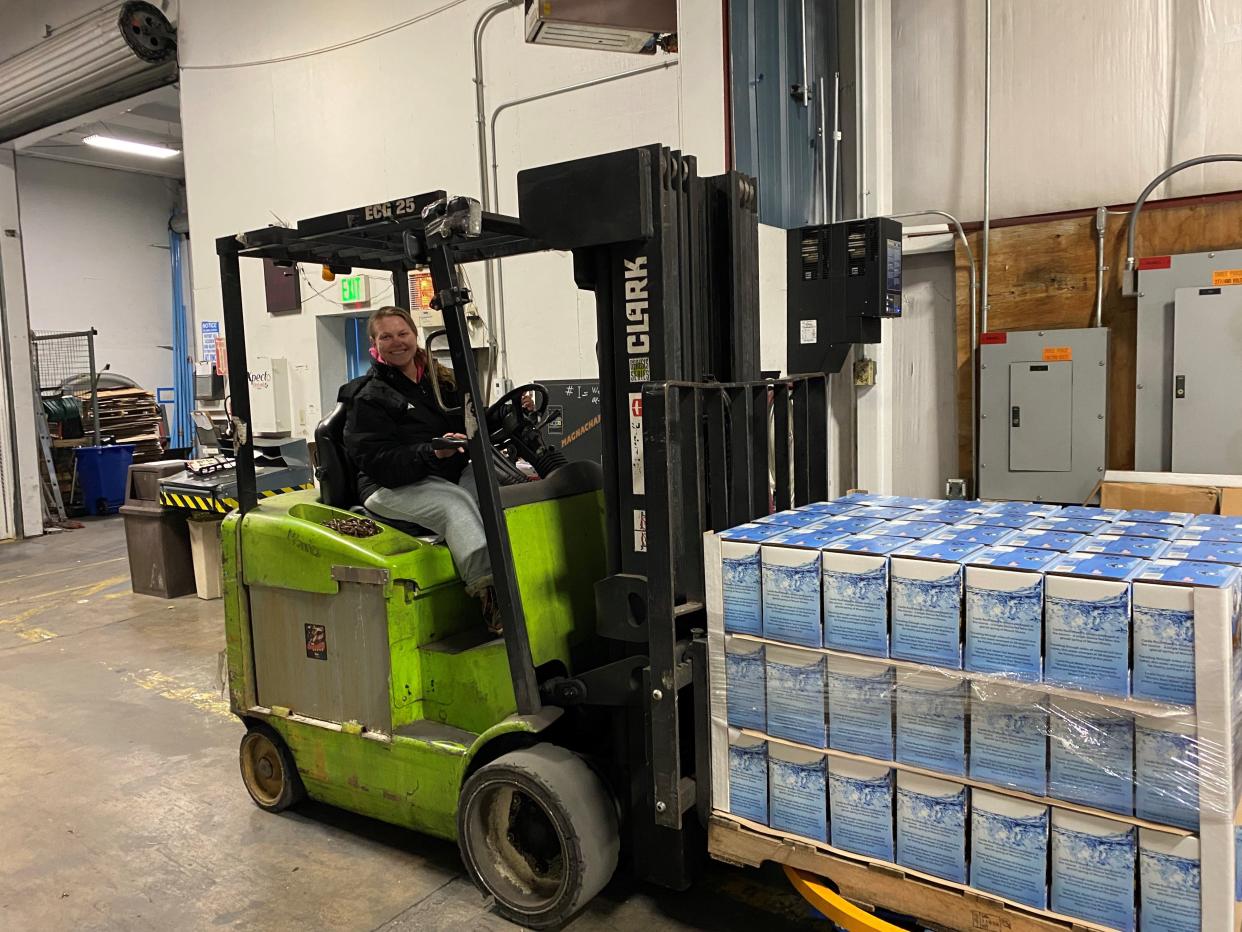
x: 974, y: 329
x: 987, y: 155
x: 1101, y: 227
x: 1129, y: 281
x: 502, y: 367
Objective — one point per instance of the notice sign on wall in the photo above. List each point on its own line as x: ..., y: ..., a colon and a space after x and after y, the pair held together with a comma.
x: 210, y: 330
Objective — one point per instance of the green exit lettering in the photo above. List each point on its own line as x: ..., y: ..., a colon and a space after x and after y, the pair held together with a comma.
x: 351, y: 289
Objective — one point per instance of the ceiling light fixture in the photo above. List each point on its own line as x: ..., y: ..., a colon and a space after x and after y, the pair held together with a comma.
x: 133, y: 148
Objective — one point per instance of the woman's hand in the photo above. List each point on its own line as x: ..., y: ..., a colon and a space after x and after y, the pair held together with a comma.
x: 449, y: 451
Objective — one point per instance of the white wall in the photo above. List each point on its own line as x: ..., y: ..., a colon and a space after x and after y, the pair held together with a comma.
x: 394, y: 116
x: 96, y: 251
x: 1091, y: 99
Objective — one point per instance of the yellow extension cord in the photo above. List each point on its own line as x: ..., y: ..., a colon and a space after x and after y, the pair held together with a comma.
x: 834, y: 906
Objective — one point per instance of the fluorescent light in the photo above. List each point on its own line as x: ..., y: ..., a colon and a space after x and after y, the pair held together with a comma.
x: 133, y: 148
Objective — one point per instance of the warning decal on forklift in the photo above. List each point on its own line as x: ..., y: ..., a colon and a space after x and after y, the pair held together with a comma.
x: 316, y: 642
x: 636, y: 442
x: 640, y: 530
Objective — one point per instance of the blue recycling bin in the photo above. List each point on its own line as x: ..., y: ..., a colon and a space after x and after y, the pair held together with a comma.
x: 102, y: 474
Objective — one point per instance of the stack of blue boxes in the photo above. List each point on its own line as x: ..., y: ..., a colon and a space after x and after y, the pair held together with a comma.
x: 926, y: 680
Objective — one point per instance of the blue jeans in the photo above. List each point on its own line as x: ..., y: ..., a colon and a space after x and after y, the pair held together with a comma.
x: 448, y: 509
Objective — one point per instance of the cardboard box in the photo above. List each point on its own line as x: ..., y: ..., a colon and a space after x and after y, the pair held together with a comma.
x: 1009, y: 848
x: 748, y: 777
x: 1211, y: 533
x: 1205, y: 551
x: 860, y: 707
x: 1164, y: 625
x: 978, y: 534
x: 1061, y: 541
x: 1155, y: 496
x: 1014, y: 520
x: 793, y: 517
x: 796, y: 695
x: 1155, y: 516
x: 827, y: 509
x: 798, y: 791
x: 1146, y: 529
x: 1071, y: 526
x: 745, y: 684
x: 1091, y: 755
x: 1093, y: 869
x: 927, y: 581
x: 1169, y: 887
x: 740, y: 571
x: 931, y: 721
x: 1005, y: 611
x: 912, y: 529
x: 1147, y: 548
x: 1009, y: 737
x: 1089, y: 513
x: 856, y: 593
x: 1087, y: 622
x: 860, y: 799
x: 791, y: 595
x: 1167, y: 770
x: 931, y: 826
x: 1231, y: 504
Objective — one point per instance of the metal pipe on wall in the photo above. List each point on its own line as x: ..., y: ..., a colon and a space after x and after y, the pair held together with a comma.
x: 987, y: 154
x: 502, y: 367
x: 1101, y: 227
x: 974, y: 331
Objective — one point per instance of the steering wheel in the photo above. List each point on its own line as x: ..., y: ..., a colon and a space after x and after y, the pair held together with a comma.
x: 506, y: 417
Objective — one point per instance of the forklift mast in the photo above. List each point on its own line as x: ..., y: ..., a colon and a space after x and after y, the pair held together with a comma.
x: 687, y: 428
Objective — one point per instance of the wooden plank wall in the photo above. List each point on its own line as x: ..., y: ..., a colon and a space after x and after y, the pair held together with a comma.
x: 1042, y: 276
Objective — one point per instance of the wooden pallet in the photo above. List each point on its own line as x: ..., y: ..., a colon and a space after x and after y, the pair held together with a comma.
x: 872, y: 885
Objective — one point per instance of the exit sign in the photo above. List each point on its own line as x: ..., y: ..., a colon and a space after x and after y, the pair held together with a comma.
x: 355, y: 289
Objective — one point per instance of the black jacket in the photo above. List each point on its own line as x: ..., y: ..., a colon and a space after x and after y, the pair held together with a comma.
x: 389, y: 429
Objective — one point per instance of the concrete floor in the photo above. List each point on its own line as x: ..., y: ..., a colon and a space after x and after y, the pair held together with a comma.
x: 121, y: 806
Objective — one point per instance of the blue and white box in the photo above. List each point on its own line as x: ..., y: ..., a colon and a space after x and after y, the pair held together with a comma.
x: 865, y: 498
x: 1227, y: 522
x: 914, y: 529
x: 798, y: 791
x: 1090, y: 513
x: 931, y: 826
x: 1205, y: 551
x: 1087, y: 622
x: 1146, y: 548
x: 1093, y: 869
x: 1009, y: 848
x: 886, y: 512
x: 1091, y: 755
x: 918, y: 504
x: 796, y: 695
x: 828, y: 509
x: 1046, y: 540
x: 858, y: 522
x: 791, y: 594
x: 1005, y: 611
x: 953, y: 510
x: 1168, y: 767
x: 856, y: 593
x: 745, y: 684
x: 1014, y: 520
x: 860, y: 799
x: 860, y: 707
x: 740, y: 572
x: 1212, y: 532
x: 1146, y: 529
x: 1009, y: 737
x: 1164, y: 625
x: 927, y: 580
x: 1042, y: 510
x: 792, y: 517
x: 1145, y: 516
x: 1169, y: 882
x: 981, y: 535
x: 1071, y: 526
x: 931, y: 721
x: 748, y: 777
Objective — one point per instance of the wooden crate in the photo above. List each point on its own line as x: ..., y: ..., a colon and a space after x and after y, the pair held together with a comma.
x: 871, y: 885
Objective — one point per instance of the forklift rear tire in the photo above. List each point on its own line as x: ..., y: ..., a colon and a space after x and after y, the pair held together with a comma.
x: 268, y: 769
x: 538, y: 831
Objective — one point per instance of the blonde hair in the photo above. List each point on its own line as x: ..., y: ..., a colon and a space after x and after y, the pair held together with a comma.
x: 421, y: 357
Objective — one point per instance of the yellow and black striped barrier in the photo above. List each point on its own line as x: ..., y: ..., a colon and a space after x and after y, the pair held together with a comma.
x: 217, y: 505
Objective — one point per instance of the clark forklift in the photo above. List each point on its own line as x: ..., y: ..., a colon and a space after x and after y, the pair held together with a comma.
x: 580, y: 738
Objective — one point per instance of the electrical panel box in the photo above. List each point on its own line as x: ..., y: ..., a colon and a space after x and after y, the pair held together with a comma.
x: 1159, y: 278
x: 843, y: 280
x: 1207, y: 380
x: 1042, y: 414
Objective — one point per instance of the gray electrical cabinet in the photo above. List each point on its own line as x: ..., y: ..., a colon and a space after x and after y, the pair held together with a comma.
x: 1159, y: 278
x: 1207, y: 380
x: 1042, y: 414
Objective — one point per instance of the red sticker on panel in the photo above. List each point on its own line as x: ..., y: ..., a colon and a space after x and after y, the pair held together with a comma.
x: 1155, y: 262
x: 993, y: 337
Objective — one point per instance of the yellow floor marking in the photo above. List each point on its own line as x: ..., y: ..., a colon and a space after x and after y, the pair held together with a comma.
x: 169, y: 688
x: 37, y: 634
x: 79, y: 566
x: 23, y: 616
x: 93, y: 587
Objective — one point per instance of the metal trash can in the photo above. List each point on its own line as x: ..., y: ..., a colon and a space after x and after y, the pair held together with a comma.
x: 158, y: 541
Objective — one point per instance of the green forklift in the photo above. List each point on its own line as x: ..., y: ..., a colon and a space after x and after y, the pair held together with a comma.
x: 580, y: 738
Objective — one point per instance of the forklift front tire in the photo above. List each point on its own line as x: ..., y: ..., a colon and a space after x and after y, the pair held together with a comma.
x: 538, y: 831
x: 268, y: 769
